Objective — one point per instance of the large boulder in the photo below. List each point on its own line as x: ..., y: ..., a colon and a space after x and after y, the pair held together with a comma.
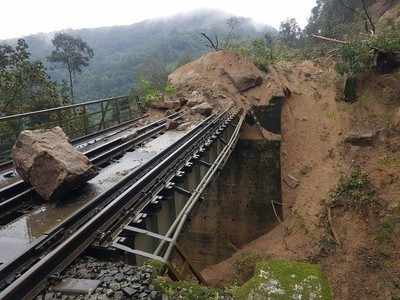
x: 167, y: 105
x: 204, y: 109
x: 245, y: 78
x: 46, y: 160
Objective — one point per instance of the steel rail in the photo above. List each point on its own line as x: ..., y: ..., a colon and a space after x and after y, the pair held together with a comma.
x: 15, y: 194
x: 121, y: 127
x: 196, y: 194
x: 23, y: 285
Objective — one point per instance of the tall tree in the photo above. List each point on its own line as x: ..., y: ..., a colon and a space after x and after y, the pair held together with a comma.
x: 290, y: 32
x: 24, y: 85
x: 71, y: 52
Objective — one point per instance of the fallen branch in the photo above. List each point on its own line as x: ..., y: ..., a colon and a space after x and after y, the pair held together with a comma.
x: 329, y: 39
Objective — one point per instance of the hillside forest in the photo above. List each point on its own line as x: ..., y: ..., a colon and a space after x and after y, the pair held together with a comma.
x: 136, y: 59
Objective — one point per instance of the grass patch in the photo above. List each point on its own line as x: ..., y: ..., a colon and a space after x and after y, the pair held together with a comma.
x: 284, y: 280
x: 187, y: 290
x: 245, y: 265
x: 331, y: 115
x: 354, y: 191
x: 389, y: 161
x: 388, y: 229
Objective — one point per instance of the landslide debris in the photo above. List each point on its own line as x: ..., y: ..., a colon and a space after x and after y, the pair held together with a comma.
x: 46, y: 160
x: 218, y: 80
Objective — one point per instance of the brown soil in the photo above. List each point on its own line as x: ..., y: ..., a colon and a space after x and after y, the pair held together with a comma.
x: 314, y: 125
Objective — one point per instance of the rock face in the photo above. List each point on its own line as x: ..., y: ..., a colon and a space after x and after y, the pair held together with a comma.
x: 46, y: 160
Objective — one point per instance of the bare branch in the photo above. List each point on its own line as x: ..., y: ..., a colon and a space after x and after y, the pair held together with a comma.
x: 368, y: 16
x: 211, y: 44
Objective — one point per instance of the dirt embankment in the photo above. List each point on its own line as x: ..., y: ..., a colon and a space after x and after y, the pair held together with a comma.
x: 363, y: 261
x: 357, y: 249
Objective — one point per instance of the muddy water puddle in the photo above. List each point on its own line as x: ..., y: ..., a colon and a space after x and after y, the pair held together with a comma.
x: 26, y: 230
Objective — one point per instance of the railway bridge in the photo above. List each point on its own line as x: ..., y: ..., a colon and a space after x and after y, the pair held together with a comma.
x: 150, y: 180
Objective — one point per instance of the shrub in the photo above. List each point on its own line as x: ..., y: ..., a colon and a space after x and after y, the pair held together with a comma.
x: 354, y: 58
x: 354, y: 191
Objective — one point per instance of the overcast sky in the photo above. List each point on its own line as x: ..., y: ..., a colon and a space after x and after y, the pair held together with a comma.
x: 22, y: 17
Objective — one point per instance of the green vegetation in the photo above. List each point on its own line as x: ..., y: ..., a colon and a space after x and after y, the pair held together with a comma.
x: 354, y: 58
x: 283, y: 280
x: 358, y: 55
x: 245, y: 265
x: 389, y: 229
x: 124, y: 53
x: 187, y: 290
x: 354, y: 192
x: 72, y: 53
x: 25, y: 85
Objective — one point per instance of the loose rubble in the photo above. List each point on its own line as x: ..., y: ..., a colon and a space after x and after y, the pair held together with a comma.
x: 117, y: 281
x: 46, y: 159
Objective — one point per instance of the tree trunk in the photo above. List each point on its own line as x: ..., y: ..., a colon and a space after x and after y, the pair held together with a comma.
x: 71, y: 85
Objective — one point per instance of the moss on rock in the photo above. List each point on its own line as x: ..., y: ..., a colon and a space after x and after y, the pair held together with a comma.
x: 284, y: 280
x: 188, y: 290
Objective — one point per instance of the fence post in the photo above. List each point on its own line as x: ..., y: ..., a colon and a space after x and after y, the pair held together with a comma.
x: 85, y: 119
x: 129, y: 108
x: 117, y: 110
x: 103, y: 116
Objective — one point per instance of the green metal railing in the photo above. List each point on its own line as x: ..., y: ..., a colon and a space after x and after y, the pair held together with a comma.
x: 76, y: 120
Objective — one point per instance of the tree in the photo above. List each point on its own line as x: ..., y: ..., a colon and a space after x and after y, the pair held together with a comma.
x: 71, y: 52
x: 24, y: 85
x: 290, y: 32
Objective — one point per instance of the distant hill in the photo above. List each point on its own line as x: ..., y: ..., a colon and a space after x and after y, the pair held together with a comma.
x: 120, y: 51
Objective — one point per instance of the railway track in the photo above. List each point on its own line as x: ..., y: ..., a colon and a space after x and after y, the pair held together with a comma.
x: 25, y: 275
x: 8, y: 166
x: 20, y: 195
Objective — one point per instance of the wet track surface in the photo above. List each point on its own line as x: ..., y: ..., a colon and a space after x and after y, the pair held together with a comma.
x: 21, y: 233
x: 10, y: 176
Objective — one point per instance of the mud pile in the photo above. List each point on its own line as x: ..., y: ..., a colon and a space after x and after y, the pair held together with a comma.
x: 218, y: 80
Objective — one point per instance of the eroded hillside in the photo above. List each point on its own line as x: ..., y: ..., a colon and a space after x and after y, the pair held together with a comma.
x: 339, y: 168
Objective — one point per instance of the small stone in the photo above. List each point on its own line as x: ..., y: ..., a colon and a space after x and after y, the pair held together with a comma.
x: 107, y: 279
x: 118, y: 295
x: 129, y: 291
x: 171, y: 124
x: 113, y: 271
x: 49, y: 296
x: 119, y: 277
x: 291, y: 181
x: 76, y: 286
x: 115, y: 286
x: 136, y: 286
x: 184, y: 126
x: 153, y: 294
x: 110, y: 293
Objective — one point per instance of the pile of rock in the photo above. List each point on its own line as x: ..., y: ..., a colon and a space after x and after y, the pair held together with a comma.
x: 118, y: 281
